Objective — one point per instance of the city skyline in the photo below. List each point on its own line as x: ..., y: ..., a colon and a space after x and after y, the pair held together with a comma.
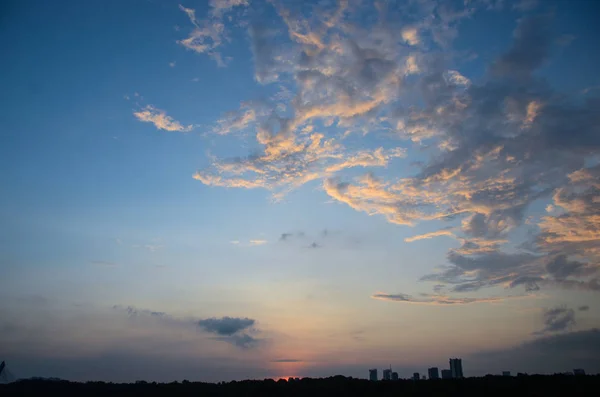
x: 231, y: 189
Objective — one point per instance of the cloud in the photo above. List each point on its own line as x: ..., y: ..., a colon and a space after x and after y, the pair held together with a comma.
x: 583, y: 308
x: 234, y: 330
x: 226, y: 326
x: 242, y: 340
x: 530, y: 48
x: 488, y: 147
x: 525, y: 5
x: 160, y: 120
x: 209, y: 34
x: 258, y: 242
x: 219, y: 7
x: 285, y: 236
x: 149, y: 247
x: 545, y: 354
x: 437, y: 233
x: 230, y: 330
x: 235, y: 121
x: 557, y: 319
x: 435, y: 299
x: 133, y: 312
x: 410, y: 35
x: 288, y: 163
x: 287, y: 360
x: 314, y: 245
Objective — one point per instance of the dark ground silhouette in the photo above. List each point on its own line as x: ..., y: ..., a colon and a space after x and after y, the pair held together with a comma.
x: 535, y: 385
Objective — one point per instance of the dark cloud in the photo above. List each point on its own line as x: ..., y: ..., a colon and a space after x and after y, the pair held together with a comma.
x: 490, y: 269
x: 531, y: 283
x: 241, y: 340
x: 234, y: 330
x: 558, y: 319
x: 285, y: 236
x: 287, y: 360
x: 561, y: 267
x: 226, y: 326
x: 547, y: 354
x: 583, y: 308
x: 135, y: 312
x: 530, y: 48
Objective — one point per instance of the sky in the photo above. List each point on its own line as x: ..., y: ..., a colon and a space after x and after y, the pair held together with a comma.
x: 233, y: 189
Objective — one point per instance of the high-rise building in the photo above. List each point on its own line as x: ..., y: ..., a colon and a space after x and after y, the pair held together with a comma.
x: 578, y: 371
x: 416, y: 376
x: 394, y: 375
x: 373, y: 374
x: 446, y: 374
x: 433, y: 373
x: 456, y: 367
x: 505, y: 373
x: 387, y: 374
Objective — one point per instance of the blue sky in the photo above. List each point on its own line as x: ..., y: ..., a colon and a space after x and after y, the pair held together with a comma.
x: 248, y: 189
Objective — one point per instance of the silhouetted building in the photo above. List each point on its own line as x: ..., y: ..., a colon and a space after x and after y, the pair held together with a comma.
x: 373, y: 374
x: 416, y: 376
x: 456, y: 367
x: 394, y: 375
x: 578, y: 371
x: 446, y: 374
x: 433, y: 373
x: 387, y: 374
x: 505, y: 373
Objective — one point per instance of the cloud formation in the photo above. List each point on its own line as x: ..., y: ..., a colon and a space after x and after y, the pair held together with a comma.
x: 557, y: 319
x: 209, y: 34
x: 489, y: 148
x: 229, y: 329
x: 161, y: 121
x: 434, y: 299
x: 237, y: 331
x: 226, y: 325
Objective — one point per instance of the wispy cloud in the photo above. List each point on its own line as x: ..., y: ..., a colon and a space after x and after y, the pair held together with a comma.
x: 148, y: 247
x: 437, y: 233
x: 210, y: 33
x: 436, y: 299
x: 287, y: 360
x: 258, y: 242
x: 161, y: 120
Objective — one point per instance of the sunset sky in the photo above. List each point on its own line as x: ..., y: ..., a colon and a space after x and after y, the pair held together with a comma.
x: 231, y: 189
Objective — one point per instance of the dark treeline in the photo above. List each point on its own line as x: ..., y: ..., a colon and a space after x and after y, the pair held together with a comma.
x: 536, y: 385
